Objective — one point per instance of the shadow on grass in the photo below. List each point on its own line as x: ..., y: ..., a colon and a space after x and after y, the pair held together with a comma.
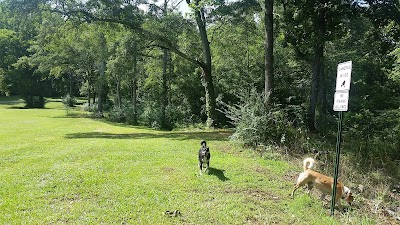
x: 10, y: 103
x: 218, y: 173
x: 213, y: 135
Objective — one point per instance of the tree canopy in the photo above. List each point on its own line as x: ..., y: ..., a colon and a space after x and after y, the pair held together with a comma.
x: 147, y: 62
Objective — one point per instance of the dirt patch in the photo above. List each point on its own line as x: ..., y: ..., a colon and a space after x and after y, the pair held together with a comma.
x: 260, y: 195
x: 262, y: 170
x: 291, y: 176
x: 255, y: 194
x: 226, y: 148
x: 168, y: 170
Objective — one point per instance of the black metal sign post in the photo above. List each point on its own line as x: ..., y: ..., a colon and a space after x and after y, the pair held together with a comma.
x: 340, y: 104
x: 336, y: 171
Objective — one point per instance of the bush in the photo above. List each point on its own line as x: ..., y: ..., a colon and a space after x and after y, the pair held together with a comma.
x: 123, y: 114
x: 175, y: 116
x: 90, y: 108
x: 34, y: 101
x: 69, y: 101
x: 258, y: 124
x: 130, y: 114
x: 151, y: 115
x: 379, y: 135
x: 116, y: 114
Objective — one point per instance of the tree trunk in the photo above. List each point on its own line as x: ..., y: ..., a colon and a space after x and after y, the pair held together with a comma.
x: 102, y: 70
x: 134, y: 85
x: 101, y: 85
x: 70, y: 83
x: 119, y: 93
x: 164, y: 89
x: 269, y: 52
x: 134, y: 100
x: 314, y: 90
x: 207, y: 68
x: 170, y: 77
x: 88, y: 87
x: 318, y: 71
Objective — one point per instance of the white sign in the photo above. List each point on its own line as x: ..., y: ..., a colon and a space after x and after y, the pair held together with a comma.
x: 343, y: 76
x: 341, y: 102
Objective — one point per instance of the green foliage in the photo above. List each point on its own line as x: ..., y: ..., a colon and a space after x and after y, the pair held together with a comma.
x: 69, y: 101
x: 395, y: 74
x: 33, y: 101
x: 89, y: 108
x: 123, y: 114
x: 116, y: 114
x: 258, y: 124
x: 379, y: 135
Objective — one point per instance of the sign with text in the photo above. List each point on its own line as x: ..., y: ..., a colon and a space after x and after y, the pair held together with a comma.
x: 343, y: 77
x: 341, y: 101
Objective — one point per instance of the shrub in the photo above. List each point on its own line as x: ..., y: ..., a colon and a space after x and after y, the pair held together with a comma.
x: 258, y: 124
x: 379, y: 133
x: 90, y: 108
x: 130, y: 114
x: 69, y: 101
x: 150, y: 114
x: 116, y: 114
x: 34, y: 101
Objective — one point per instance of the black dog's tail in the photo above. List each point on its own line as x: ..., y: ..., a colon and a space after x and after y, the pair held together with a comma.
x: 203, y: 143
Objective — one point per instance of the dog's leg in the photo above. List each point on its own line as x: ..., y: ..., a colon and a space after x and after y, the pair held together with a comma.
x: 338, y: 202
x: 294, y: 190
x: 301, y: 181
x: 201, y: 167
x: 208, y: 165
x: 310, y: 186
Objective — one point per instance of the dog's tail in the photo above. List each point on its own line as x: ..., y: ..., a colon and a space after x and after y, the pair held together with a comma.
x: 308, y: 163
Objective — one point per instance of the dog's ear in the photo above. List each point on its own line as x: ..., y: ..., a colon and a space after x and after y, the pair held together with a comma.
x: 349, y: 197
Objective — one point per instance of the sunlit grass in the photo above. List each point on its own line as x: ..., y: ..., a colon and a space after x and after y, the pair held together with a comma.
x: 57, y: 168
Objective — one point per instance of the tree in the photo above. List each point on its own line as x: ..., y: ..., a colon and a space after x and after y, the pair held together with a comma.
x: 308, y: 26
x: 123, y: 68
x: 269, y: 48
x: 10, y: 50
x: 129, y: 14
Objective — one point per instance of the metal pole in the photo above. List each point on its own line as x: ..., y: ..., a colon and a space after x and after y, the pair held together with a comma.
x: 335, y: 177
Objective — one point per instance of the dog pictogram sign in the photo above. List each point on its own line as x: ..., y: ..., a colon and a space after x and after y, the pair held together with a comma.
x: 343, y: 77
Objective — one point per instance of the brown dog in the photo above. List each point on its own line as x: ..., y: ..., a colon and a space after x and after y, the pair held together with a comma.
x: 322, y: 182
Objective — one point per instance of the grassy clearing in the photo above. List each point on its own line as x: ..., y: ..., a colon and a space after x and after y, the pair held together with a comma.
x: 66, y: 169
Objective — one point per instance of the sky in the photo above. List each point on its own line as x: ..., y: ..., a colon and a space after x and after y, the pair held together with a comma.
x: 184, y: 8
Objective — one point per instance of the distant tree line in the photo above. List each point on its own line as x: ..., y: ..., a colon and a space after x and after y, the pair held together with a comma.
x: 145, y: 62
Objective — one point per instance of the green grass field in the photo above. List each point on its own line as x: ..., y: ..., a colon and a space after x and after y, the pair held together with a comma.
x: 69, y: 169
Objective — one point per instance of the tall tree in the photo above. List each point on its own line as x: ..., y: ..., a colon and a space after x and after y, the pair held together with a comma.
x: 167, y: 7
x: 206, y: 65
x: 129, y: 14
x: 308, y: 26
x: 269, y: 48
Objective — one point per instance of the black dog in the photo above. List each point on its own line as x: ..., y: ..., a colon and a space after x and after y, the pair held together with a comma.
x: 204, y: 156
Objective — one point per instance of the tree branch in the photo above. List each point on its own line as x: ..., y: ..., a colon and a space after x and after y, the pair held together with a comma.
x: 164, y: 43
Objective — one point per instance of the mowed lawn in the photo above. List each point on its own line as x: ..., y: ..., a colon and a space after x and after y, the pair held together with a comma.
x: 63, y: 169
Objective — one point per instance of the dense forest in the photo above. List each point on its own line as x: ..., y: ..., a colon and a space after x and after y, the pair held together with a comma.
x: 267, y: 68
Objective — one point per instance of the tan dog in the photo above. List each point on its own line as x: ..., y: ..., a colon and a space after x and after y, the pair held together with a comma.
x: 321, y: 182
